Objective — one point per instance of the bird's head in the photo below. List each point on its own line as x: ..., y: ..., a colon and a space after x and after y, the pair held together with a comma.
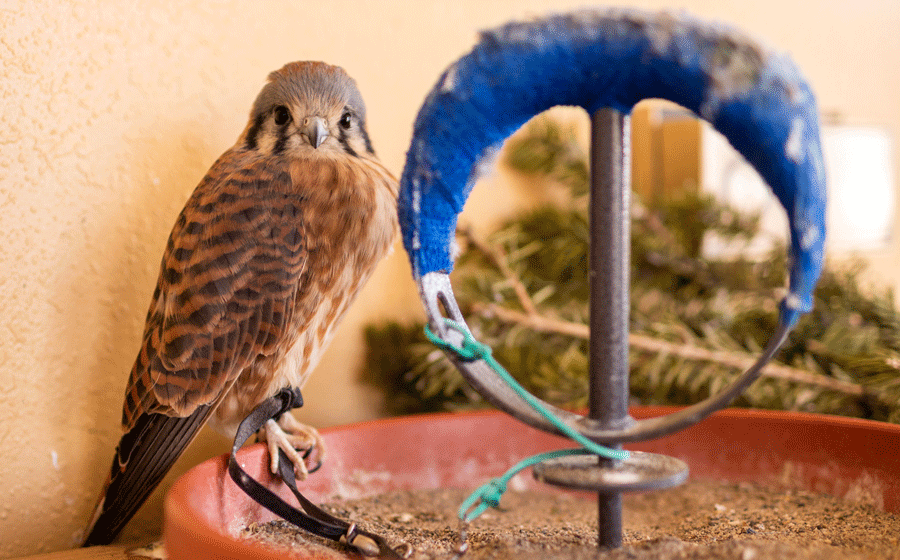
x: 308, y: 108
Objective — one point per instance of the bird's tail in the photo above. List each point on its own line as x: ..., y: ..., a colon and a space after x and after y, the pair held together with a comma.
x: 143, y: 457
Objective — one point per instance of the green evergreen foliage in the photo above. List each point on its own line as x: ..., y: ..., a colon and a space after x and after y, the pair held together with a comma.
x: 695, y: 324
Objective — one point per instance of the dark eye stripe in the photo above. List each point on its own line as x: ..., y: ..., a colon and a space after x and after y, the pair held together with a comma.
x: 281, y: 143
x: 366, y: 140
x: 253, y: 133
x: 342, y: 138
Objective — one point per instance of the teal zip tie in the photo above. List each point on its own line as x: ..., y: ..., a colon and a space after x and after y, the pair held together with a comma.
x: 471, y: 349
x: 489, y: 494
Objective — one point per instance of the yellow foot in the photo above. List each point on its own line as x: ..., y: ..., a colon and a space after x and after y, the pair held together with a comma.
x: 294, y: 438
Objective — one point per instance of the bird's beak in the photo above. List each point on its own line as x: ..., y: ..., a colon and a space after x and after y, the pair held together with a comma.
x: 315, y: 130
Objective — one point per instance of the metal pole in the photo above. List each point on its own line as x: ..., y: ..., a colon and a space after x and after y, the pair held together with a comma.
x: 610, y: 222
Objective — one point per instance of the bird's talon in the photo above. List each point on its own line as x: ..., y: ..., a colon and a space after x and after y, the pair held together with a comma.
x: 292, y: 437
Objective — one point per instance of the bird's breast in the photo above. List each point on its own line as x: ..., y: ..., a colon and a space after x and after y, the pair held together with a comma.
x: 349, y: 221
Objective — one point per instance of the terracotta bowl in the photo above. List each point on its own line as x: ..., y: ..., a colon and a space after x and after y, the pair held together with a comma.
x: 844, y: 457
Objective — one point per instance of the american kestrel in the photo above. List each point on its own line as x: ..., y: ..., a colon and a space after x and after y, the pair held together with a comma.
x: 261, y: 265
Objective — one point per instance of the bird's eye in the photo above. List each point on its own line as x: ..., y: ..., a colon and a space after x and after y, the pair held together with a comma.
x: 346, y: 119
x: 282, y: 115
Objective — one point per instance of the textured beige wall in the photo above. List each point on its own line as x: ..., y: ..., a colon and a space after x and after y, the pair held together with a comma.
x: 110, y: 112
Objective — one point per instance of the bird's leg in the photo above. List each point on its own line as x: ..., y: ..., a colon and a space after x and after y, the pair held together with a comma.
x: 294, y: 438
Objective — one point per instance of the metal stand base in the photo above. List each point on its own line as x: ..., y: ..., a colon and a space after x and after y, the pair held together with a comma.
x: 641, y: 471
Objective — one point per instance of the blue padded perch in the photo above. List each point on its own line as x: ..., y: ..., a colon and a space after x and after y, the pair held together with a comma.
x: 615, y: 58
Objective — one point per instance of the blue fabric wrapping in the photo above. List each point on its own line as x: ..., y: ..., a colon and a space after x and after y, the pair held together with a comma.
x: 594, y: 59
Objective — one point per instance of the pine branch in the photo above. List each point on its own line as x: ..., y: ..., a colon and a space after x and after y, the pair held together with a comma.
x: 532, y: 319
x: 498, y: 257
x: 733, y: 360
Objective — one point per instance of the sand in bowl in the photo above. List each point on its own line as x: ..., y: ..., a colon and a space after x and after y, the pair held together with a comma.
x: 698, y: 521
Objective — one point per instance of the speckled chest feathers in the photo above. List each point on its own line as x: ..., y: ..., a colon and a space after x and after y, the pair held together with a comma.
x: 340, y: 227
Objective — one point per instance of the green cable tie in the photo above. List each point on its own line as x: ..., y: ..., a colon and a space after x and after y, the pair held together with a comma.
x: 471, y: 349
x: 489, y: 494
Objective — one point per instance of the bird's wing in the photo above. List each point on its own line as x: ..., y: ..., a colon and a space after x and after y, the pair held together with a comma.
x: 225, y: 295
x: 226, y: 290
x: 143, y: 457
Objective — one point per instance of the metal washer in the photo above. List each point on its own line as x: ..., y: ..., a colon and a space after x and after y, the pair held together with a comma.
x: 641, y: 471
